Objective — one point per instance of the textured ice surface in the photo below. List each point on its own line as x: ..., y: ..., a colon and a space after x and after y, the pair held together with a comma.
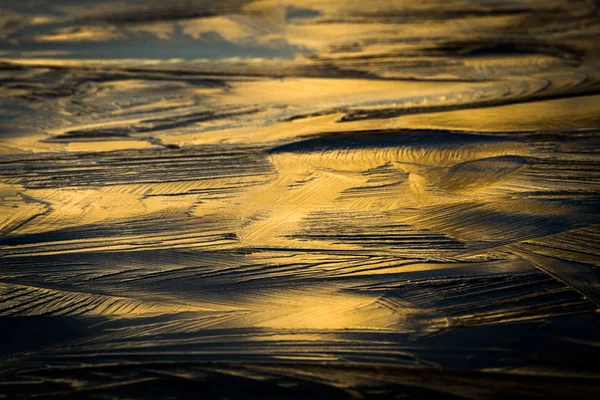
x: 322, y: 198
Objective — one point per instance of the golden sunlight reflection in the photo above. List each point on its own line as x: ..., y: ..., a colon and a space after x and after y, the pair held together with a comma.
x: 319, y: 198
